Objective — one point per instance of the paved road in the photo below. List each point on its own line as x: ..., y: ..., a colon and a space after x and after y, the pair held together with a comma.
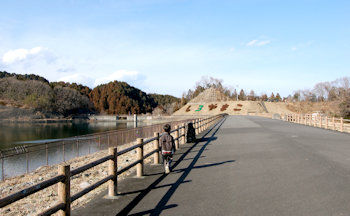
x: 244, y: 166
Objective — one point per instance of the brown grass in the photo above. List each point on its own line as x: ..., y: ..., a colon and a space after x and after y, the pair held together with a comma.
x: 330, y: 108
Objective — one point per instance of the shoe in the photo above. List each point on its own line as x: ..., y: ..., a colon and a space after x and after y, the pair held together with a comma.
x: 167, y: 170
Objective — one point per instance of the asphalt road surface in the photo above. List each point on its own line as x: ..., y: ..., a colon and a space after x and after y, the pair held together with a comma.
x: 245, y: 165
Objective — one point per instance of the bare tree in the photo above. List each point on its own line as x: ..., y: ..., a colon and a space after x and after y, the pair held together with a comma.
x: 251, y: 96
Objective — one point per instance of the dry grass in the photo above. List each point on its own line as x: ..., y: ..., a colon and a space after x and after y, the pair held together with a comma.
x: 329, y: 108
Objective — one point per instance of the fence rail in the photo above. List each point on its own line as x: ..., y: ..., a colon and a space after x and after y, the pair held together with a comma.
x: 24, y: 159
x: 63, y: 178
x: 331, y: 123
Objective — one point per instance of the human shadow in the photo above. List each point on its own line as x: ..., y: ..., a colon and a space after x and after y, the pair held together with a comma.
x: 162, y: 204
x: 157, y: 187
x: 193, y: 158
x: 196, y: 167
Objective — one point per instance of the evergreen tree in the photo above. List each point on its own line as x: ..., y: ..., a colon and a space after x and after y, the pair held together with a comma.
x: 251, y: 96
x: 242, y: 95
x: 278, y: 97
x: 264, y: 97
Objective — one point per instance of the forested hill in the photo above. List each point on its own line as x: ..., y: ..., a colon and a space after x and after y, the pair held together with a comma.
x: 163, y: 100
x: 121, y: 98
x: 4, y: 74
x: 84, y: 90
x: 64, y: 99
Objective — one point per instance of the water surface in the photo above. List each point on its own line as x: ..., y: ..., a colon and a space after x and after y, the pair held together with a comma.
x: 13, y: 134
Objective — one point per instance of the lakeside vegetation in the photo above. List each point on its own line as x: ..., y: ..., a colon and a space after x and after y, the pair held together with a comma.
x: 66, y: 99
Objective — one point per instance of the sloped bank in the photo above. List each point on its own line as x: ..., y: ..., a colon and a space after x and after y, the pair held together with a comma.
x: 46, y: 198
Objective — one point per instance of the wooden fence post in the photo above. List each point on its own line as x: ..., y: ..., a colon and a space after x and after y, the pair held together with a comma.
x: 320, y: 121
x: 310, y: 119
x: 197, y: 126
x: 333, y: 121
x: 341, y: 124
x: 314, y: 121
x: 194, y: 124
x: 2, y: 169
x: 139, y: 166
x: 112, y: 171
x: 183, y: 133
x: 63, y: 189
x: 156, y: 147
x: 177, y: 137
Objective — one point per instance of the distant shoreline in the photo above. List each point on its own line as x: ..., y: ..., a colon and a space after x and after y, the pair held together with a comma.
x: 92, y: 118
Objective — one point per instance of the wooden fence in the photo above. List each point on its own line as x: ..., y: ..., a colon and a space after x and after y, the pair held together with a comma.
x: 338, y: 124
x: 63, y: 178
x: 26, y: 158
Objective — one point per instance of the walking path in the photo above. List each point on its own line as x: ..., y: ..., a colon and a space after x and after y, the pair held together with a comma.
x: 245, y: 165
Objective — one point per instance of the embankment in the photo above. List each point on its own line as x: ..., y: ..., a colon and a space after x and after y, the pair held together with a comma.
x: 46, y: 198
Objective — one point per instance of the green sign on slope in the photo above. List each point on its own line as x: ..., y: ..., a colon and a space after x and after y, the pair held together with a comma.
x: 199, y: 108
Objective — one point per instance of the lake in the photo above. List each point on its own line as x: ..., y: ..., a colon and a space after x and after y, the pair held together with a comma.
x: 13, y: 134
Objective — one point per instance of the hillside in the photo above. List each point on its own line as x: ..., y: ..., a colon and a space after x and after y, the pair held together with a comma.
x: 40, y: 96
x: 23, y: 94
x: 121, y: 98
x: 4, y: 74
x: 209, y: 95
x: 163, y: 100
x: 211, y: 102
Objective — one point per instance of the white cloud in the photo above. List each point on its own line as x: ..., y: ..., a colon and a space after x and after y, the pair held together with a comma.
x: 252, y: 43
x: 258, y: 43
x: 120, y: 75
x: 263, y: 43
x: 21, y: 54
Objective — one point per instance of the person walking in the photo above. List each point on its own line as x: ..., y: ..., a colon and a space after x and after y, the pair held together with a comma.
x: 167, y: 147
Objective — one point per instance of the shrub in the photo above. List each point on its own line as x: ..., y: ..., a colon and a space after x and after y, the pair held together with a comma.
x: 212, y: 106
x: 345, y: 107
x: 224, y: 107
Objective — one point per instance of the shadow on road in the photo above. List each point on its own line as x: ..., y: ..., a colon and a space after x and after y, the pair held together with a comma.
x: 162, y: 204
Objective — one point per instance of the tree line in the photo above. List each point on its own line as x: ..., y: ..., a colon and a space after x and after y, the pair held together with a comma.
x: 337, y: 91
x: 230, y: 92
x: 62, y: 98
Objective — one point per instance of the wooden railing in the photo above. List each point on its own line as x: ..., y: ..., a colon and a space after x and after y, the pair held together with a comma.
x: 338, y: 124
x: 63, y: 179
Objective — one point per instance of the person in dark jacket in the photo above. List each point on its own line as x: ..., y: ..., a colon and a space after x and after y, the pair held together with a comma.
x: 191, y: 133
x: 167, y: 147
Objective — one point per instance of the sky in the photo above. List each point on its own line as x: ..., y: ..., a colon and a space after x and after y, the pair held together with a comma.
x: 166, y: 46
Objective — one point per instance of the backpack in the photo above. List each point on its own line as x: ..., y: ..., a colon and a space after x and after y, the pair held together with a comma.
x: 167, y: 144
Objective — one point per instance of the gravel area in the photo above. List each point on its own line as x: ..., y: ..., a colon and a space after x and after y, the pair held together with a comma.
x: 46, y: 198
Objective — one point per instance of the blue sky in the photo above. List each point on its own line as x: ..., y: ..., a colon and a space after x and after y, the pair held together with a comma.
x: 166, y: 46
